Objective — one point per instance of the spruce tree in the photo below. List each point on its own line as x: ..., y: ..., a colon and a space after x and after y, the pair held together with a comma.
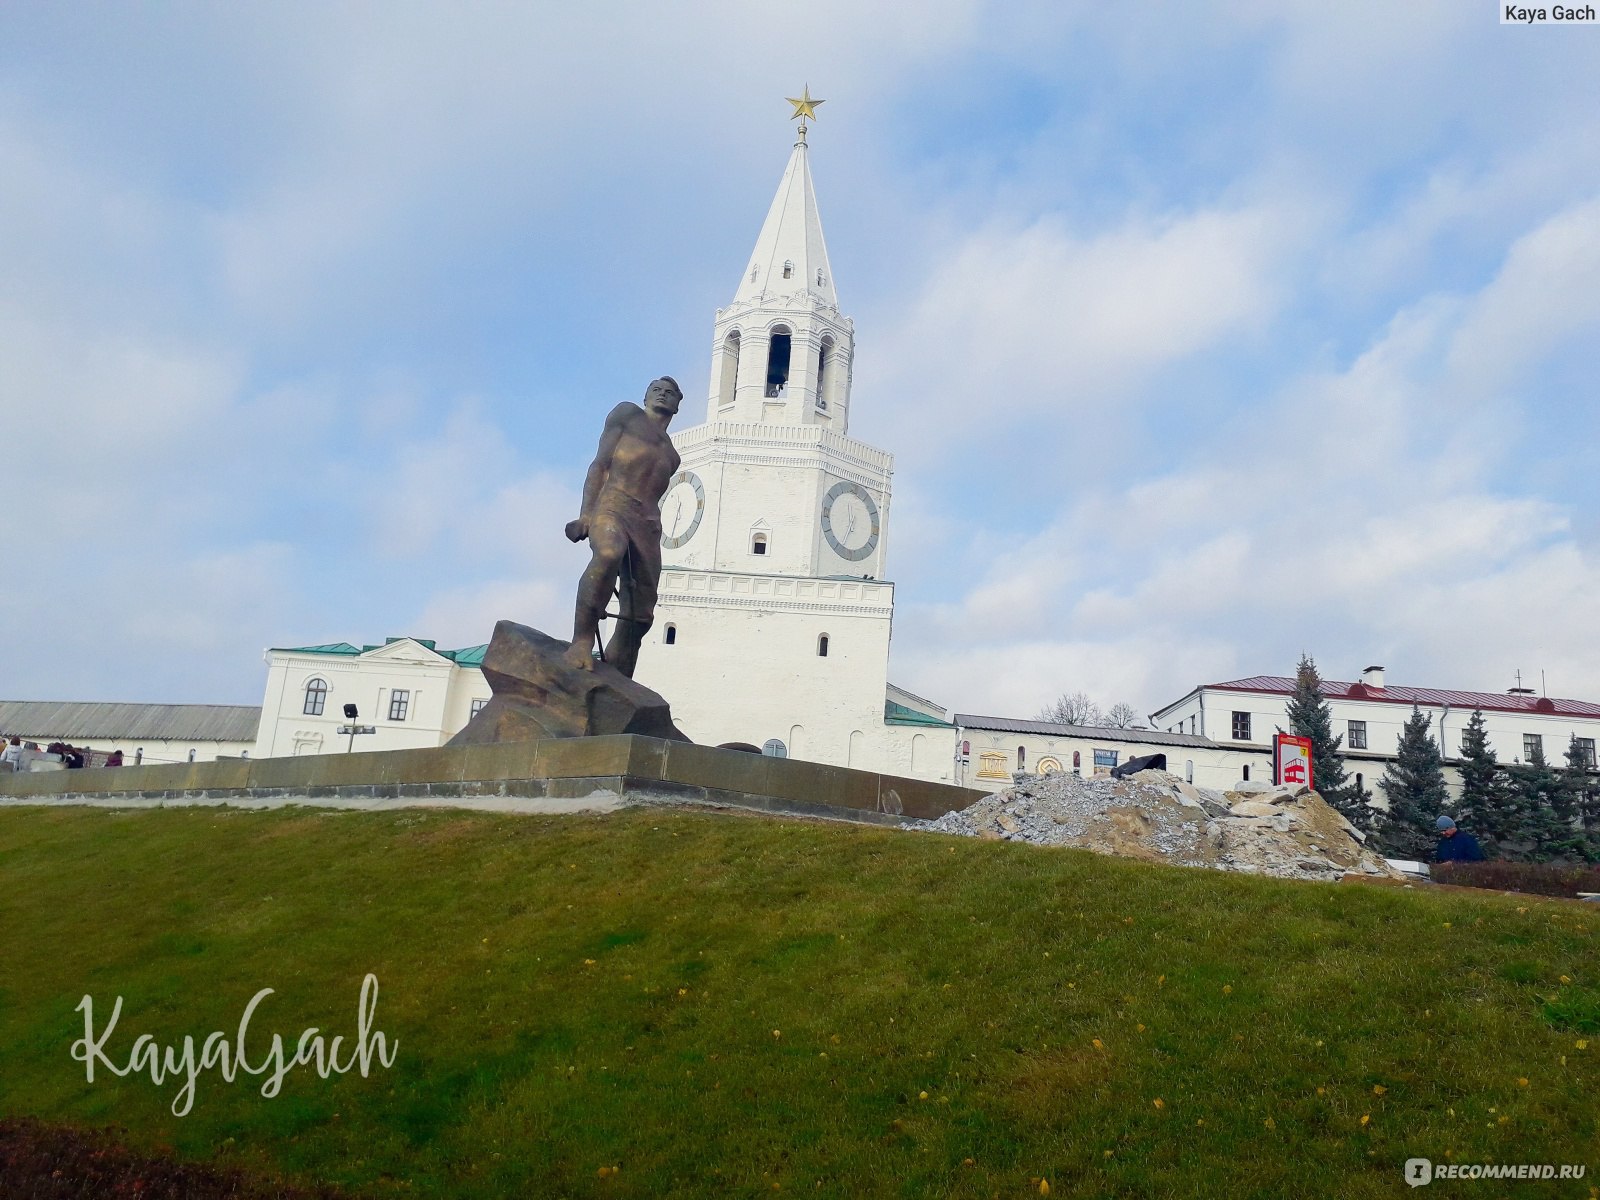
x: 1414, y: 786
x: 1545, y: 809
x: 1488, y: 805
x: 1311, y: 717
x: 1584, y: 792
x: 1358, y: 810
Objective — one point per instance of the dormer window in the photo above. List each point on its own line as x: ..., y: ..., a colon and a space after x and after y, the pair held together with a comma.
x: 788, y: 270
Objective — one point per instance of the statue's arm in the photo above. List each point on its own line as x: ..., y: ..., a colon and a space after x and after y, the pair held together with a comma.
x: 599, y: 469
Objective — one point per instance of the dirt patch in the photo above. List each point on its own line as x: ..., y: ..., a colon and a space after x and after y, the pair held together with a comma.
x: 52, y: 1162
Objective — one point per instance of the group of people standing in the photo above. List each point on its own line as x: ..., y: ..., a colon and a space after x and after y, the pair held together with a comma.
x: 16, y: 754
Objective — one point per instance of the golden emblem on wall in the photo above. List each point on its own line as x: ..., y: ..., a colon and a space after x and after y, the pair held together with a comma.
x: 992, y: 765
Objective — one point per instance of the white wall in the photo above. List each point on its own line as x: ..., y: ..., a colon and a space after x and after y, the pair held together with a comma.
x: 777, y: 475
x: 440, y: 699
x: 1213, y: 708
x: 993, y: 758
x: 744, y: 665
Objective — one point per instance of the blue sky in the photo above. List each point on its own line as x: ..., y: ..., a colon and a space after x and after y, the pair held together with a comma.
x: 1201, y: 337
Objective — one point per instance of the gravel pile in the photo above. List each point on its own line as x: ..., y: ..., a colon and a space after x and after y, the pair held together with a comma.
x: 1257, y: 829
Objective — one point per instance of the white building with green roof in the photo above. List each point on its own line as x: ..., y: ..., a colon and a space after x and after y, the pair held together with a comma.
x: 409, y: 691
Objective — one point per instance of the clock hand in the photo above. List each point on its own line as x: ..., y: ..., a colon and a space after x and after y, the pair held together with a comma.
x: 677, y: 516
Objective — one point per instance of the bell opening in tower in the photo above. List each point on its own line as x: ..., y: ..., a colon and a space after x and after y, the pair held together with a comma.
x: 778, y: 364
x: 730, y: 369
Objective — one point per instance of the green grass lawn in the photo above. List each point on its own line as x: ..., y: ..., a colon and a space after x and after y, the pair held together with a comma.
x: 732, y: 1005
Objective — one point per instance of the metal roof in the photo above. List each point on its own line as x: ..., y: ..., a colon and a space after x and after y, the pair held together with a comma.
x: 1435, y: 697
x: 907, y: 692
x: 1093, y: 733
x: 899, y: 714
x: 470, y: 656
x: 68, y: 720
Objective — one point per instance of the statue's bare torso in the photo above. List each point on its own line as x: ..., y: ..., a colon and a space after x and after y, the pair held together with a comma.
x: 622, y: 519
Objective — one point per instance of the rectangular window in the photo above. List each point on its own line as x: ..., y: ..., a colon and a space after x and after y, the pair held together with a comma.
x: 1105, y: 758
x: 1532, y: 746
x: 1586, y: 751
x: 477, y: 706
x: 1241, y: 727
x: 1357, y: 737
x: 399, y: 701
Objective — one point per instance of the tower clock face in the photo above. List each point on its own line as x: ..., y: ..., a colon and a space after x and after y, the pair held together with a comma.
x: 850, y: 520
x: 681, y: 509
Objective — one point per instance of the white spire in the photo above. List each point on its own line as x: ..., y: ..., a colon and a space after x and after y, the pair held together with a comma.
x: 791, y: 238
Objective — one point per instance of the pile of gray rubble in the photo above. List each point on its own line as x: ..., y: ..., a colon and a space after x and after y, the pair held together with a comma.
x: 1255, y: 828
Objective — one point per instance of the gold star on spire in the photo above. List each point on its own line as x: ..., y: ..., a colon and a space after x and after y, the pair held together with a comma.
x: 804, y: 106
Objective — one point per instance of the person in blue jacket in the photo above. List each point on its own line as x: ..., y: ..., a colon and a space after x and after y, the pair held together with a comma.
x: 1455, y: 845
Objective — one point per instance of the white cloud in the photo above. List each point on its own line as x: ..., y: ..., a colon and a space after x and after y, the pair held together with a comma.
x: 1359, y: 529
x: 1039, y: 324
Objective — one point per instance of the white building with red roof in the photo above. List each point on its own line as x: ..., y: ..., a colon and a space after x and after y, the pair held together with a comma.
x: 1369, y: 713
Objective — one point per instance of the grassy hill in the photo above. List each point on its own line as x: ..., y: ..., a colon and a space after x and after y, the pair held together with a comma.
x: 731, y: 1005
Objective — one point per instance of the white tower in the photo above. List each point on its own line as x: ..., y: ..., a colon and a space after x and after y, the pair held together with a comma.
x: 774, y: 617
x: 771, y: 483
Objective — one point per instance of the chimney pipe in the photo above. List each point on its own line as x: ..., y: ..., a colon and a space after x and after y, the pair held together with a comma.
x: 1372, y: 677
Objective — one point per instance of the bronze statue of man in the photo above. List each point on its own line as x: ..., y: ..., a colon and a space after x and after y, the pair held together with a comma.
x: 622, y: 519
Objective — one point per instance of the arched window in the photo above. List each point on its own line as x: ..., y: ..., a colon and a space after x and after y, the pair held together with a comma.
x: 778, y: 361
x: 138, y: 756
x: 1358, y: 781
x: 819, y: 277
x: 670, y: 635
x: 822, y: 646
x: 824, y: 369
x: 1022, y: 758
x: 1188, y: 771
x: 191, y: 754
x: 728, y: 380
x: 316, y: 697
x: 1077, y: 760
x: 788, y: 270
x: 1246, y: 775
x: 758, y: 543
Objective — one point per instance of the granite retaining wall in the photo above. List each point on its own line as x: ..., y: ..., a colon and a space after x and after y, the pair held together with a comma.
x: 563, y: 775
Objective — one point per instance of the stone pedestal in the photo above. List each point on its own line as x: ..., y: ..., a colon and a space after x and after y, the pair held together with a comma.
x: 538, y: 695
